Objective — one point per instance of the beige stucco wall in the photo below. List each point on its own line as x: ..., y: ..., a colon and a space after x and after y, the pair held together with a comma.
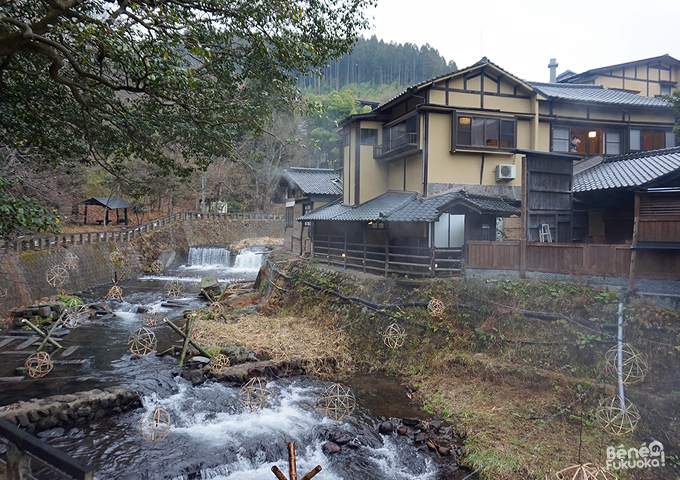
x: 414, y: 173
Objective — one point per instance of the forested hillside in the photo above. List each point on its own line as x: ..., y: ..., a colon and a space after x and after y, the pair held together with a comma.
x: 378, y: 63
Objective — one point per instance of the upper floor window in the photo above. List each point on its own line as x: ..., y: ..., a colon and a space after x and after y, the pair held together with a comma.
x: 665, y: 89
x: 398, y: 137
x: 485, y: 132
x: 587, y: 141
x: 369, y: 136
x: 647, y: 139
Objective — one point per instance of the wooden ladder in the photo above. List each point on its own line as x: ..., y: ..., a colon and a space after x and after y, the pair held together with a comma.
x: 544, y: 234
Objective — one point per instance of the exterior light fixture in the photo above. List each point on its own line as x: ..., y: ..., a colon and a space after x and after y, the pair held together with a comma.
x: 436, y: 265
x: 371, y: 222
x: 343, y: 255
x: 592, y: 134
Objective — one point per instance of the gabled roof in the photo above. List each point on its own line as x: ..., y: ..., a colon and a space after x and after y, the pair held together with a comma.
x: 596, y: 94
x: 110, y: 202
x: 629, y: 170
x: 314, y: 181
x: 575, y: 78
x: 399, y: 206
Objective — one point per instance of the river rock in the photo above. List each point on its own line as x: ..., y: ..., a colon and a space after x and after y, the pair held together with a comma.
x: 386, y: 427
x: 196, y: 377
x: 200, y: 359
x: 402, y: 430
x: 330, y: 447
x: 443, y: 451
x: 341, y: 438
x: 410, y: 422
x: 435, y: 425
x: 210, y: 287
x: 419, y: 437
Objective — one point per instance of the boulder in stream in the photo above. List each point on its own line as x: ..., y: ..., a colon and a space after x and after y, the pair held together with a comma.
x: 386, y: 427
x: 210, y: 286
x: 330, y: 447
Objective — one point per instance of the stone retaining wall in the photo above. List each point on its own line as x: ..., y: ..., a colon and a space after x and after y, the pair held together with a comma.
x: 23, y: 274
x: 66, y: 410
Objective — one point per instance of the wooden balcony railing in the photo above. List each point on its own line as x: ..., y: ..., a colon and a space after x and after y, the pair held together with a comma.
x: 405, y: 142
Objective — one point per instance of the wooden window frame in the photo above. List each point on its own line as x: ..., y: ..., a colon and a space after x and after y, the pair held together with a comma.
x: 507, y: 120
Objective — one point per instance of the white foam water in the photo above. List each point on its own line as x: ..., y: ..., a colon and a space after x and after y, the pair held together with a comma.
x: 209, y: 256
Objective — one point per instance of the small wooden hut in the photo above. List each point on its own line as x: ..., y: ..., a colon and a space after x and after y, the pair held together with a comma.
x: 108, y: 203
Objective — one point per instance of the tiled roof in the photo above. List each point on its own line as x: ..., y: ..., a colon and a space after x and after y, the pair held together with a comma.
x: 398, y: 206
x: 629, y: 170
x: 319, y: 181
x: 596, y: 94
x: 110, y: 202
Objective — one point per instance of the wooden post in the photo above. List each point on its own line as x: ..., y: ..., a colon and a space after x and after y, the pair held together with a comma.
x: 187, y: 338
x: 524, y: 223
x: 279, y: 474
x: 633, y: 251
x: 311, y: 474
x: 387, y: 251
x: 292, y: 461
x: 42, y: 334
x: 183, y: 335
x: 49, y: 334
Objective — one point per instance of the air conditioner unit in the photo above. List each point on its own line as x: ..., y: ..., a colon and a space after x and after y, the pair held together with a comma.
x: 505, y: 172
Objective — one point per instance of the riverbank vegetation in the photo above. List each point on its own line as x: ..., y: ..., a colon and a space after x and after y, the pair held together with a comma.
x: 517, y: 366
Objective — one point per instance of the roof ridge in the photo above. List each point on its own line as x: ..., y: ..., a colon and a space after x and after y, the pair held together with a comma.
x: 399, y: 206
x: 569, y: 85
x: 642, y: 154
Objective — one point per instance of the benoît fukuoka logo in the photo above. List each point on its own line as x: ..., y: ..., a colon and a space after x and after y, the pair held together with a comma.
x: 643, y: 457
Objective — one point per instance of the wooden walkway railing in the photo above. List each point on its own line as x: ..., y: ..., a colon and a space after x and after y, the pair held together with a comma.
x: 41, y: 242
x: 387, y: 259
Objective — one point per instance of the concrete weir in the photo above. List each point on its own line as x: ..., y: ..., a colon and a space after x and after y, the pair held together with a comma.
x: 67, y: 410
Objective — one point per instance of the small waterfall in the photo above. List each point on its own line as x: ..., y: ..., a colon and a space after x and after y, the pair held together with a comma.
x: 249, y: 259
x: 209, y: 256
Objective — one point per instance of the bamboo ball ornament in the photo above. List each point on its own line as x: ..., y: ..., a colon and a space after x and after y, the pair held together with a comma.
x: 150, y: 319
x: 116, y: 256
x: 616, y: 420
x: 174, y: 288
x: 142, y: 342
x: 394, y: 336
x: 116, y: 293
x: 71, y: 261
x: 75, y: 316
x: 39, y: 364
x: 635, y: 365
x: 157, y: 266
x: 436, y: 308
x: 338, y: 401
x: 255, y: 395
x: 155, y: 425
x: 219, y: 363
x: 216, y: 309
x: 585, y: 471
x: 57, y: 276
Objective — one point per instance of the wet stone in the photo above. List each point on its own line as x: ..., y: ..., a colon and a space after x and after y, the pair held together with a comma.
x: 386, y: 428
x: 419, y: 437
x: 329, y: 448
x: 402, y: 430
x: 341, y: 438
x: 410, y: 422
x: 443, y: 451
x: 435, y: 425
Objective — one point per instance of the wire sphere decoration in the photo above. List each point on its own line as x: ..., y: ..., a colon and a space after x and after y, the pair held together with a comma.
x: 219, y: 363
x: 117, y: 256
x: 157, y: 266
x: 150, y: 319
x: 155, y: 425
x: 635, y: 364
x: 394, y: 336
x: 116, y: 293
x: 436, y: 308
x: 216, y: 309
x: 142, y: 342
x: 255, y: 395
x: 39, y: 364
x: 75, y: 316
x: 57, y: 276
x: 338, y: 402
x: 584, y: 471
x: 71, y: 261
x: 174, y: 288
x: 616, y: 420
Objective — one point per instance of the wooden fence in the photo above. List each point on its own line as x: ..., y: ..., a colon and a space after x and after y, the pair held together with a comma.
x: 42, y: 242
x: 387, y: 259
x: 607, y: 260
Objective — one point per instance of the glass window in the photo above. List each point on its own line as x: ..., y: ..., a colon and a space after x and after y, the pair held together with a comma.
x: 670, y: 139
x: 485, y: 132
x: 635, y: 138
x: 561, y: 139
x: 653, y: 139
x: 613, y: 146
x: 369, y: 136
x: 289, y: 217
x: 665, y: 90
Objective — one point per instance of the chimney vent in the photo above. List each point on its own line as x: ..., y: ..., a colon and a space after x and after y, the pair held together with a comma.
x: 553, y: 70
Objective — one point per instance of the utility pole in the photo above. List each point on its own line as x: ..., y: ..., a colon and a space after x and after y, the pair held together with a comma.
x: 203, y: 189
